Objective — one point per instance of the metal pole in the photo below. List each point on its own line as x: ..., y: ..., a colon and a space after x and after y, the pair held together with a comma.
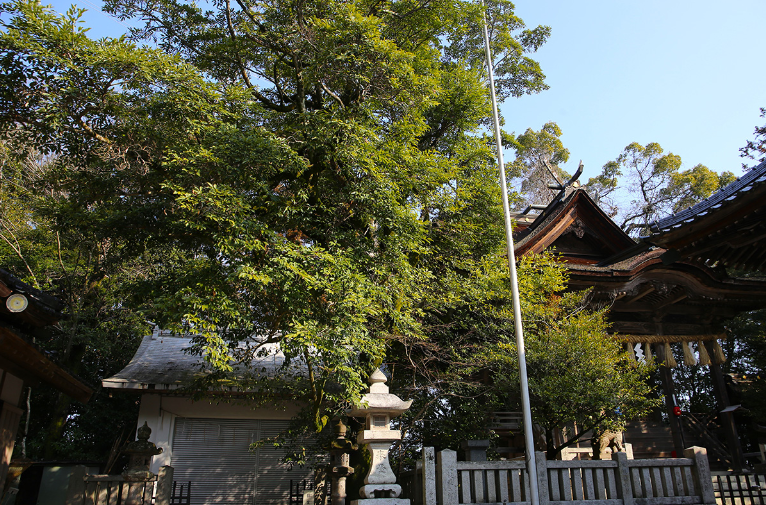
x: 526, y: 410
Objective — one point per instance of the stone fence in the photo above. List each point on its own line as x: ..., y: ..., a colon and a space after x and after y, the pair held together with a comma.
x: 87, y: 489
x: 442, y: 480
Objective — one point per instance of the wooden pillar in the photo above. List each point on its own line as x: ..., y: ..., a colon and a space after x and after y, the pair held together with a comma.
x: 666, y: 375
x: 727, y: 419
x: 675, y: 425
x: 9, y: 424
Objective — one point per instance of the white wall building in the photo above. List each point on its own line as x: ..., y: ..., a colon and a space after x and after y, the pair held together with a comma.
x: 208, y: 442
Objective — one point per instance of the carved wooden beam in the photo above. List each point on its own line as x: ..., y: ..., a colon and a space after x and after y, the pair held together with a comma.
x: 647, y: 290
x: 671, y: 301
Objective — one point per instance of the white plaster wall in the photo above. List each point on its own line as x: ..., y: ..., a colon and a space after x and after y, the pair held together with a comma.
x: 159, y: 412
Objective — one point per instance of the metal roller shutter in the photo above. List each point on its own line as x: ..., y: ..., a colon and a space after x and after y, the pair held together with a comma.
x: 214, y: 455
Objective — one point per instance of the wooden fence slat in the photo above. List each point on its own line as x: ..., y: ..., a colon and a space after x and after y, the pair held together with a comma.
x: 688, y: 480
x: 678, y: 482
x: 600, y: 488
x: 741, y: 491
x: 576, y: 484
x: 465, y: 483
x: 750, y: 489
x: 646, y: 482
x: 103, y: 494
x: 516, y: 481
x: 635, y: 479
x: 760, y: 485
x: 503, y: 485
x: 114, y: 492
x: 124, y: 486
x: 657, y: 483
x: 491, y: 487
x: 611, y: 484
x: 478, y: 486
x: 588, y: 490
x: 566, y: 484
x: 524, y: 489
x: 667, y: 482
x: 554, y: 487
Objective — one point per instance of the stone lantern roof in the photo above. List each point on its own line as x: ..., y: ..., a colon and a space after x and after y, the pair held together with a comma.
x: 379, y: 400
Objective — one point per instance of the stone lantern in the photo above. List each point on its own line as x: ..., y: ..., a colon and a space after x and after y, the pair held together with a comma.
x: 140, y: 453
x: 378, y: 407
x: 341, y: 468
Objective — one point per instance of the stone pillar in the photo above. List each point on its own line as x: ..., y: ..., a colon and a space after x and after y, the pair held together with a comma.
x: 378, y: 407
x: 701, y: 474
x: 475, y: 450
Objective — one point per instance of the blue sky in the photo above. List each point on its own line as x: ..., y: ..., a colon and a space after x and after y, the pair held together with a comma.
x: 688, y: 75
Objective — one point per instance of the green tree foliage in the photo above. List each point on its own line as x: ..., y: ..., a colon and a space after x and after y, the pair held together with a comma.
x: 577, y: 372
x: 98, y: 334
x: 689, y: 187
x: 310, y: 172
x: 314, y: 173
x: 745, y: 351
x: 756, y: 149
x: 535, y: 152
x: 657, y: 187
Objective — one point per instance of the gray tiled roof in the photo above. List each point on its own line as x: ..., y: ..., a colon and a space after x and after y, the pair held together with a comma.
x: 755, y: 177
x: 163, y: 363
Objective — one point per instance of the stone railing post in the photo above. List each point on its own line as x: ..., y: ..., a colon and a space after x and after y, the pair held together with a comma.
x: 429, y: 476
x: 164, y: 485
x: 446, y: 477
x: 541, y: 462
x: 622, y: 476
x: 76, y: 492
x: 703, y: 481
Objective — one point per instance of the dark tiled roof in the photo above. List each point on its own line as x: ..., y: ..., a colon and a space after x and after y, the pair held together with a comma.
x: 755, y: 177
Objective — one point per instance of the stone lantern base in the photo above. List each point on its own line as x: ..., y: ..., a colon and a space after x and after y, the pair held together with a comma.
x: 381, y: 501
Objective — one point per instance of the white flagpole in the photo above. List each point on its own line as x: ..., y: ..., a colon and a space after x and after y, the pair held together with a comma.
x: 526, y: 410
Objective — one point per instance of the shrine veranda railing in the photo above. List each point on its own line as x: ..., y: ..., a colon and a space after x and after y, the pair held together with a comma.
x: 442, y: 480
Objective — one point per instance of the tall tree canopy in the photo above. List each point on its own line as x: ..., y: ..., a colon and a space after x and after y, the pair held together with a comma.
x: 313, y: 173
x: 756, y: 149
x: 310, y: 172
x: 656, y: 188
x: 538, y: 154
